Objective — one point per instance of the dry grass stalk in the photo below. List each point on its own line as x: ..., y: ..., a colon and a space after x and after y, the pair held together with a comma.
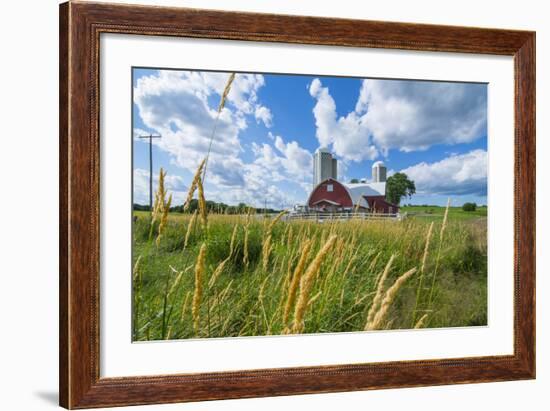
x: 306, y: 284
x: 266, y: 251
x: 245, y: 243
x: 184, y: 305
x: 176, y: 281
x: 248, y: 215
x: 285, y: 233
x: 275, y: 220
x: 190, y: 229
x: 232, y: 242
x: 314, y: 298
x: 422, y: 267
x: 340, y: 247
x: 202, y: 205
x: 136, y: 270
x: 379, y: 291
x: 164, y: 219
x: 426, y: 248
x: 193, y: 186
x: 226, y: 92
x: 225, y: 291
x: 158, y: 208
x: 217, y: 272
x: 336, y: 261
x: 388, y: 300
x: 420, y: 322
x: 444, y: 225
x: 245, y: 247
x: 374, y: 261
x: 288, y: 274
x: 323, y: 237
x: 441, y: 232
x: 197, y: 296
x: 289, y: 236
x: 363, y: 298
x: 351, y: 261
x: 342, y: 296
x: 155, y: 210
x: 168, y: 333
x: 160, y: 195
x: 296, y: 279
x: 262, y: 289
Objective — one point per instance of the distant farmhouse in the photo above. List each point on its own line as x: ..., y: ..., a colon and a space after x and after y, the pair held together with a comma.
x: 331, y: 195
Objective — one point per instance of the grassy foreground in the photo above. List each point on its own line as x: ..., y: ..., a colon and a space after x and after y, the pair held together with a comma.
x: 249, y: 275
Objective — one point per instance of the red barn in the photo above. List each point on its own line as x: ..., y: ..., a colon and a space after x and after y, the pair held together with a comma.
x: 332, y: 196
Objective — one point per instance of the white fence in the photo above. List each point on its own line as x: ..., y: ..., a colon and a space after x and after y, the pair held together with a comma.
x: 344, y: 216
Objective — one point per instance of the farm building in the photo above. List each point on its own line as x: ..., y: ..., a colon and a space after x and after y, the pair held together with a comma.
x: 330, y: 195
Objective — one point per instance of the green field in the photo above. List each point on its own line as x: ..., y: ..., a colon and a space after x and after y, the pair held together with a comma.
x: 436, y: 212
x: 260, y: 279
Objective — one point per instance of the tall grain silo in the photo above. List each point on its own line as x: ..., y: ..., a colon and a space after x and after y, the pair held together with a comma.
x: 324, y: 166
x: 379, y: 172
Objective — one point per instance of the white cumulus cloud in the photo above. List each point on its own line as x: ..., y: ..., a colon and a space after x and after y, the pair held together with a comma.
x: 182, y: 107
x: 403, y: 115
x: 282, y: 162
x: 347, y: 135
x: 458, y: 174
x: 415, y: 115
x: 264, y: 114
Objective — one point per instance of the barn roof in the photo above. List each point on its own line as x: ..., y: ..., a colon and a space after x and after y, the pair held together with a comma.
x: 357, y: 191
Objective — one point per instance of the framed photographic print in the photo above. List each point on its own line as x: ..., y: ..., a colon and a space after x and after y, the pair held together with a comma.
x: 256, y: 205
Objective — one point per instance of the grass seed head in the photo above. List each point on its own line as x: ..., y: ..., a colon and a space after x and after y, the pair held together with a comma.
x: 164, y: 219
x: 445, y: 216
x: 194, y: 184
x: 306, y: 284
x: 266, y: 251
x: 217, y: 272
x: 202, y: 205
x: 226, y: 91
x: 426, y: 247
x: 276, y: 219
x: 380, y: 316
x: 232, y: 242
x: 379, y: 291
x: 189, y: 229
x: 296, y: 279
x: 420, y: 322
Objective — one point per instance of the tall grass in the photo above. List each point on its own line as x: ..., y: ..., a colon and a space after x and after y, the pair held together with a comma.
x: 243, y: 293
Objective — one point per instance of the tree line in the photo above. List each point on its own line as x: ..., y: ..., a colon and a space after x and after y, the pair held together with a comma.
x: 214, y: 207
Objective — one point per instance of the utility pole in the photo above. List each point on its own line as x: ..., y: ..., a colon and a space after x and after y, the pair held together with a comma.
x: 150, y: 137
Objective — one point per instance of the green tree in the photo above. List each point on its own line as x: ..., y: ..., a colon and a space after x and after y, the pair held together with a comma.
x: 399, y: 186
x: 354, y: 181
x: 469, y: 206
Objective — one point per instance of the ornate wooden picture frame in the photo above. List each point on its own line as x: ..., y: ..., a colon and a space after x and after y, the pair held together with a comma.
x: 81, y: 25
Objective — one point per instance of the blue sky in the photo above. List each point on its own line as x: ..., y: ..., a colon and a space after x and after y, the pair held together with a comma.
x: 435, y: 132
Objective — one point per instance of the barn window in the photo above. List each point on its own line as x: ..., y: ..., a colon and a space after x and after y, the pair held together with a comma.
x: 330, y: 188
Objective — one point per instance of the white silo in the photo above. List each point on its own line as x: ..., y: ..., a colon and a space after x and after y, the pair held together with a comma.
x: 324, y: 166
x: 378, y: 172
